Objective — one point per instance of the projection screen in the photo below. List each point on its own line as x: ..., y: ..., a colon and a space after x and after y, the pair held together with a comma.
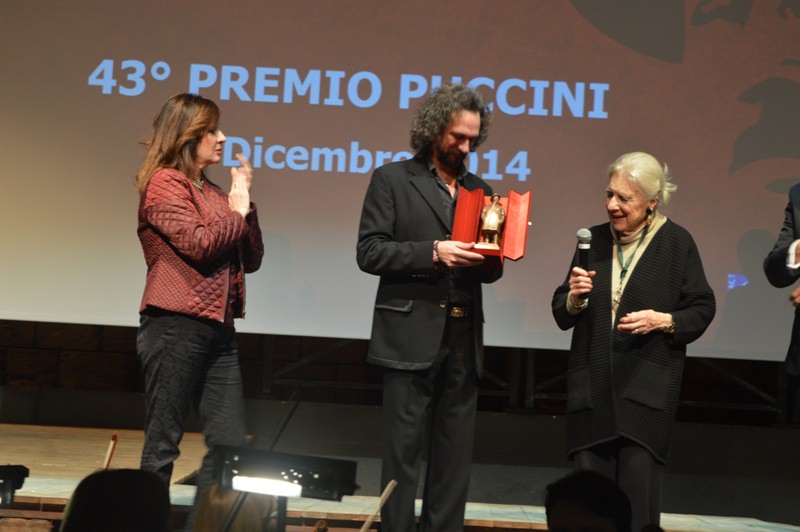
x: 318, y: 93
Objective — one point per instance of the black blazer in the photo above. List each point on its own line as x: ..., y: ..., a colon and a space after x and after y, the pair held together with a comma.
x: 781, y: 276
x: 403, y: 214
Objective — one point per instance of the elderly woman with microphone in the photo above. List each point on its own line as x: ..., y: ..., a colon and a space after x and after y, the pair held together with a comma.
x: 641, y: 300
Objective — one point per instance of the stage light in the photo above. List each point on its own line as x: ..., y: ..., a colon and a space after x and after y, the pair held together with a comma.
x: 266, y: 486
x: 284, y: 474
x: 11, y: 479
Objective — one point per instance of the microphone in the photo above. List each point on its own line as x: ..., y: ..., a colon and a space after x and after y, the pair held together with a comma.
x: 584, y: 244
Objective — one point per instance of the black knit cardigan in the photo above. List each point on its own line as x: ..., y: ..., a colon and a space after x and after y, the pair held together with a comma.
x: 623, y: 385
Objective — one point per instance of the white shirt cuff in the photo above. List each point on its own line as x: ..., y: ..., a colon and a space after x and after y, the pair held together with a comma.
x: 790, y: 263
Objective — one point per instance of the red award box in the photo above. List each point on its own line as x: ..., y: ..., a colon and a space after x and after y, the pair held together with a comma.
x: 514, y: 232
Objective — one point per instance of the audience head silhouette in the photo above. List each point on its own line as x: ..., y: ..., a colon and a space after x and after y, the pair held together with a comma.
x: 118, y: 500
x: 233, y: 511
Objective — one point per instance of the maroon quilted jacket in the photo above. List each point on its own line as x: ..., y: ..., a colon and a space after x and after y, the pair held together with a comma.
x: 196, y: 248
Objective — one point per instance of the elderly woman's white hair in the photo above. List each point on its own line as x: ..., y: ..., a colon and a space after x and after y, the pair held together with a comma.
x: 652, y: 177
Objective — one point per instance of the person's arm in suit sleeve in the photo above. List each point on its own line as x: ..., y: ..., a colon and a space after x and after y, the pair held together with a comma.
x: 377, y: 251
x: 776, y: 263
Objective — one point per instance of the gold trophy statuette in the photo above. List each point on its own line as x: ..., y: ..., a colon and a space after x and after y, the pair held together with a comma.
x: 492, y: 218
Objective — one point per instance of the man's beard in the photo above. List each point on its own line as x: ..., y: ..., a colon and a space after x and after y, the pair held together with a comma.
x: 452, y: 160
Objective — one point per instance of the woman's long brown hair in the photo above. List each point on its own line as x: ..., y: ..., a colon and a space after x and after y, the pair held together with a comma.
x: 182, y: 122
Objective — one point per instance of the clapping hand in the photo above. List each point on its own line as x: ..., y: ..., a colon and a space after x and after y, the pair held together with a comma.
x: 241, y: 180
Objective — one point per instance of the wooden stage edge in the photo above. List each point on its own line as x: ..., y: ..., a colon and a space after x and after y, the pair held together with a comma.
x: 304, y: 515
x: 58, y: 457
x: 51, y: 509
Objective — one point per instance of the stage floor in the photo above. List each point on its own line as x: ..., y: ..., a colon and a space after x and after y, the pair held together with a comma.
x: 58, y: 457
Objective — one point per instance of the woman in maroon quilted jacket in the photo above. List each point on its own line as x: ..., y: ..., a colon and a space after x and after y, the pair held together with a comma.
x: 198, y: 243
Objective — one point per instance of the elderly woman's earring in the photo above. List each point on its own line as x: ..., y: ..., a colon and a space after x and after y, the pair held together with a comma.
x: 649, y: 212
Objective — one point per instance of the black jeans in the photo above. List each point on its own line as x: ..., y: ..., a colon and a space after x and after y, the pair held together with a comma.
x: 188, y: 363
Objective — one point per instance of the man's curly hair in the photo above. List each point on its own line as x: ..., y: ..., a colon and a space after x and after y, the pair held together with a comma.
x: 435, y: 114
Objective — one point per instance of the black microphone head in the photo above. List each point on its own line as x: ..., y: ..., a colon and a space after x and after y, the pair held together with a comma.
x: 584, y: 236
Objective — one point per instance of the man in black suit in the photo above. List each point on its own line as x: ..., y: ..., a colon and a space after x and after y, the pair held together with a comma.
x: 427, y: 328
x: 782, y: 267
